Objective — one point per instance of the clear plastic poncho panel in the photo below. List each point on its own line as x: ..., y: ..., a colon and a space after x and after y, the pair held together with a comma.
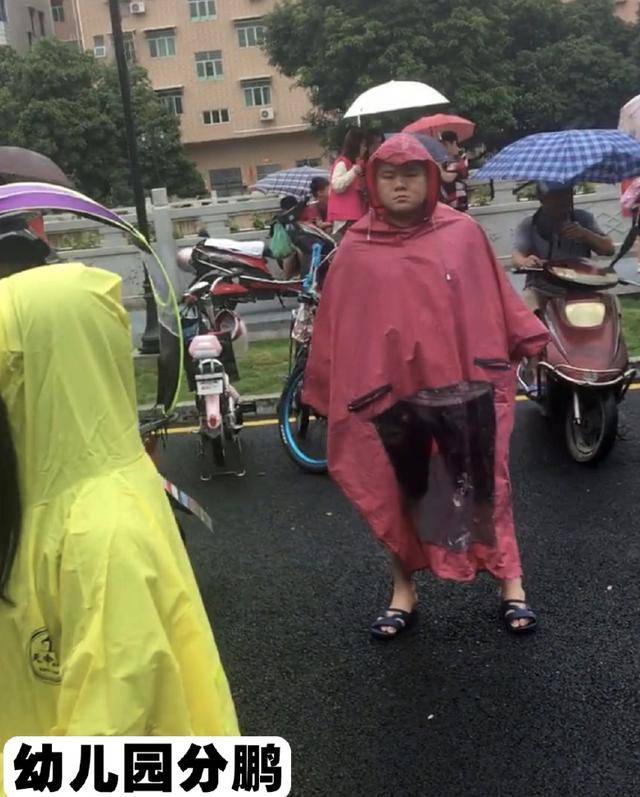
x: 441, y: 444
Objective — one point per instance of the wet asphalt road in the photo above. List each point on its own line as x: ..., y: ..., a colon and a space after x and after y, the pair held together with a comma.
x: 292, y: 579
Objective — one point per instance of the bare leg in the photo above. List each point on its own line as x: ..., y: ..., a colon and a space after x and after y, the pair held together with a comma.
x: 512, y: 590
x: 404, y: 595
x: 291, y: 266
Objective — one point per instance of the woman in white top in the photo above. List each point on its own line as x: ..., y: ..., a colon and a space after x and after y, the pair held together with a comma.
x: 346, y: 195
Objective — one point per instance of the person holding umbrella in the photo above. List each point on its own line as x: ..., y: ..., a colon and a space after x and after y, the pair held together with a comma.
x: 556, y: 231
x: 451, y: 130
x: 454, y: 173
x: 346, y: 201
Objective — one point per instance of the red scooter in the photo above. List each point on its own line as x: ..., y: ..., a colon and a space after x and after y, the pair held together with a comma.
x: 583, y: 374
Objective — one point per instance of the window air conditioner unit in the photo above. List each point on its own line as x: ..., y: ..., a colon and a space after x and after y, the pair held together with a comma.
x: 267, y: 115
x: 137, y: 8
x: 100, y: 52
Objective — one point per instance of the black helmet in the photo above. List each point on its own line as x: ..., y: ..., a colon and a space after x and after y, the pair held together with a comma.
x: 544, y: 188
x: 19, y: 245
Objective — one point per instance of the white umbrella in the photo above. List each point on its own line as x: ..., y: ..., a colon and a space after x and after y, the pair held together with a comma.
x: 395, y: 95
x: 630, y: 118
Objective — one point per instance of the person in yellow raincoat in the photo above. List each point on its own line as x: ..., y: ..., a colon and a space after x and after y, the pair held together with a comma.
x: 102, y: 628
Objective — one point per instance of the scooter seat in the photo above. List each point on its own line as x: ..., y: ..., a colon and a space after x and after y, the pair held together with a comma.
x: 244, y: 248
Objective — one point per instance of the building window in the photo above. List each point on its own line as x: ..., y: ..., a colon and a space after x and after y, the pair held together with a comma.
x: 32, y: 20
x: 257, y: 92
x: 162, y: 44
x: 251, y: 33
x: 3, y: 11
x: 129, y: 47
x: 314, y: 162
x: 30, y: 38
x: 57, y: 10
x: 172, y: 100
x: 41, y: 22
x: 209, y: 65
x: 227, y: 182
x: 216, y: 117
x: 99, y: 47
x: 200, y: 10
x: 263, y: 169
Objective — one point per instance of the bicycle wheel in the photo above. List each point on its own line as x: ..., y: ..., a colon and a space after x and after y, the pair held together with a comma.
x: 302, y: 432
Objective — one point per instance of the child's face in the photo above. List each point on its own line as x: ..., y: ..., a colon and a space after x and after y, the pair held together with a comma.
x: 323, y: 194
x: 452, y: 147
x: 402, y: 189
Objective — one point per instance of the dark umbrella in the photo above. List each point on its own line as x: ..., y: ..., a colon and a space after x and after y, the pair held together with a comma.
x: 25, y: 165
x: 432, y: 145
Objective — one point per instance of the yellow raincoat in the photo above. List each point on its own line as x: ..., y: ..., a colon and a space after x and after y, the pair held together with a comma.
x: 108, y: 634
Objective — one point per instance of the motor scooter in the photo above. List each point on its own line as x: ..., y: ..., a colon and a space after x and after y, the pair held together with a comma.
x: 584, y: 373
x: 226, y: 274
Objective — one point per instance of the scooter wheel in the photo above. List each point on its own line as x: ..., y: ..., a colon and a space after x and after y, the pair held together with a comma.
x: 218, y: 450
x: 592, y: 440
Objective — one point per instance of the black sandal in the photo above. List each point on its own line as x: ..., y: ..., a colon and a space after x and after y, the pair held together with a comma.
x: 511, y: 610
x: 393, y: 618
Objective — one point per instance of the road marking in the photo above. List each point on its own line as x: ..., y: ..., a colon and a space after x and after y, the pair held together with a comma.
x: 274, y: 421
x: 192, y: 429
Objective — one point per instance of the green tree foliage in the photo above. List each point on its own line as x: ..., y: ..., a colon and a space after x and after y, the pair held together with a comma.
x: 66, y: 105
x: 514, y: 66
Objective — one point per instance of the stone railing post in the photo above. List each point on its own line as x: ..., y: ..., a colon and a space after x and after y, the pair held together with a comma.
x: 165, y: 244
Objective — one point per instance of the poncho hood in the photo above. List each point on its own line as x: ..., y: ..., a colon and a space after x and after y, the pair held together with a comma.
x: 400, y: 150
x: 66, y: 378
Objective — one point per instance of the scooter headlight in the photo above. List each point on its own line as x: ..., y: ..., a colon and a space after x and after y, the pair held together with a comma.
x: 585, y: 314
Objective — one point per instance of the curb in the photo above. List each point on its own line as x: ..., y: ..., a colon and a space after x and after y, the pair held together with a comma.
x: 267, y: 405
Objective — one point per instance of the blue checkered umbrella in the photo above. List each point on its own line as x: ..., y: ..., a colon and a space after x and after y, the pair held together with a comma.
x: 294, y: 182
x: 568, y: 156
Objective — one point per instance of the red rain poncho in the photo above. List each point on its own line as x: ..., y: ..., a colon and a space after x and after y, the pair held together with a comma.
x: 409, y: 318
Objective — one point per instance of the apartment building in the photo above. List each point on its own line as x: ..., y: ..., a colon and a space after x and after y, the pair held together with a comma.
x: 240, y: 118
x: 625, y: 9
x: 22, y: 22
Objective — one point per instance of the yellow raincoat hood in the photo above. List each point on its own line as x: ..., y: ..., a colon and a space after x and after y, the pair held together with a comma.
x: 107, y: 634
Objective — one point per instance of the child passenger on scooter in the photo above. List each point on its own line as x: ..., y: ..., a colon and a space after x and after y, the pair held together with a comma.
x: 317, y: 209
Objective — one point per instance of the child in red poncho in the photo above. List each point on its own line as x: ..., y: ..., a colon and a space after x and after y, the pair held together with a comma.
x: 412, y: 362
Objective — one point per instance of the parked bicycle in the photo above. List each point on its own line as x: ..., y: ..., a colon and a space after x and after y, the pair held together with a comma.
x: 302, y: 431
x: 228, y: 273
